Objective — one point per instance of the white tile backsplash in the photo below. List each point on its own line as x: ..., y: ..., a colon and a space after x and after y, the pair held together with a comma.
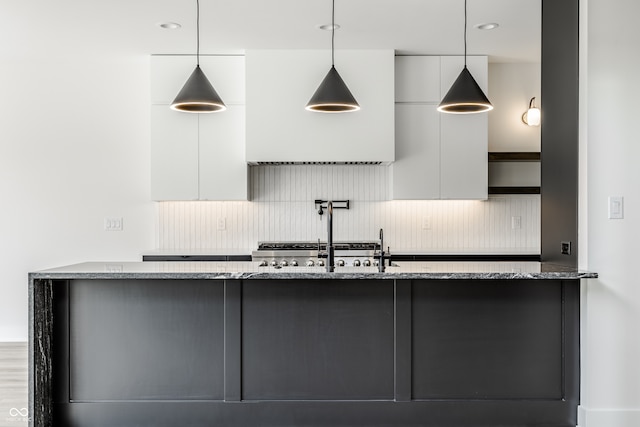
x: 282, y: 208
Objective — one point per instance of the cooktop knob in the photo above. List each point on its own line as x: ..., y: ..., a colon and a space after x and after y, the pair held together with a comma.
x: 356, y: 263
x: 310, y: 263
x: 273, y: 263
x: 294, y: 263
x: 263, y: 263
x: 321, y: 263
x: 340, y: 263
x: 284, y: 263
x: 376, y: 263
x: 366, y: 263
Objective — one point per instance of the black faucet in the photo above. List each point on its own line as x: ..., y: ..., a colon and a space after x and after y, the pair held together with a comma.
x: 330, y: 249
x: 330, y: 252
x: 381, y: 254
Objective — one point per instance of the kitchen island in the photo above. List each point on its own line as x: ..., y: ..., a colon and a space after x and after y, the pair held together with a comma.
x: 232, y: 344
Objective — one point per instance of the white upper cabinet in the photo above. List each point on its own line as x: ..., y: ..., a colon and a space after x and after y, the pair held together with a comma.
x: 198, y: 156
x: 438, y: 155
x: 464, y: 170
x: 174, y: 154
x: 281, y: 82
x: 418, y: 79
x: 415, y: 174
x: 223, y: 169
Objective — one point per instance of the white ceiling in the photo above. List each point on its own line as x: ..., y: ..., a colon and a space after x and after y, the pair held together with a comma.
x: 59, y: 27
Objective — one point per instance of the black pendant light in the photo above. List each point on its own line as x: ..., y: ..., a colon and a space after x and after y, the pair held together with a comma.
x: 333, y: 95
x: 465, y: 95
x: 197, y: 94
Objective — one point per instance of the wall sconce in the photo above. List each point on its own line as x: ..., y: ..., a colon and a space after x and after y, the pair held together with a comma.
x: 532, y: 116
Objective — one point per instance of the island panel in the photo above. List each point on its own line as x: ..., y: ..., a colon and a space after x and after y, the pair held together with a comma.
x: 146, y: 340
x: 318, y: 339
x: 495, y: 340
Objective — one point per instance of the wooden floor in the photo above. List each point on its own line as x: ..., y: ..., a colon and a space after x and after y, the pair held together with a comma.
x: 13, y: 384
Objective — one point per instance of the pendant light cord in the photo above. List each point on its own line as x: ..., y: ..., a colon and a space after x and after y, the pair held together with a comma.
x: 198, y: 33
x: 333, y: 29
x: 465, y: 33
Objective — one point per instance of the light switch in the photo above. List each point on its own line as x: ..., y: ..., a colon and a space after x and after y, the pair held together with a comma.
x: 113, y: 224
x: 616, y: 207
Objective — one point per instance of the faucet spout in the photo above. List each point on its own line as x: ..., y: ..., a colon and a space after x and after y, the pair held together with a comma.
x: 330, y: 248
x: 381, y: 268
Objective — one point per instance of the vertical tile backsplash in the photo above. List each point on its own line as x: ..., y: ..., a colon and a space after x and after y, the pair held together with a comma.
x: 282, y: 208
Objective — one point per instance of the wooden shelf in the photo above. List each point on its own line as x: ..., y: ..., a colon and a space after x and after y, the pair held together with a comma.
x: 514, y: 156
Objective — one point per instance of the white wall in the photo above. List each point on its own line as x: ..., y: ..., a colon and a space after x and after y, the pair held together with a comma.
x: 74, y: 148
x: 611, y: 304
x: 511, y: 86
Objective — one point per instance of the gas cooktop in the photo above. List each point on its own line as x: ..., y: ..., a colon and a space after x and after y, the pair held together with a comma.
x: 293, y: 254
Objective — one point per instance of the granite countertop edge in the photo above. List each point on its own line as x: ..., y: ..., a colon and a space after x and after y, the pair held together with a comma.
x: 173, y: 271
x: 318, y: 276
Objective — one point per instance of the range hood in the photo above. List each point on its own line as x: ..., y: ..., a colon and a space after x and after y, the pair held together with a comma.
x: 280, y: 131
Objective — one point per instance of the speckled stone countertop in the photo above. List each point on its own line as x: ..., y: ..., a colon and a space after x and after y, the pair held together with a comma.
x: 250, y: 270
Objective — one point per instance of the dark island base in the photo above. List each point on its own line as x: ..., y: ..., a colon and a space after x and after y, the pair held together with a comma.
x: 312, y: 414
x: 125, y: 352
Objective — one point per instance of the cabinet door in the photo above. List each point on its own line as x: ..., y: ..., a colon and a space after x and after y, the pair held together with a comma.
x: 416, y: 171
x: 223, y: 169
x: 464, y: 137
x: 463, y: 156
x: 174, y: 154
x: 418, y: 79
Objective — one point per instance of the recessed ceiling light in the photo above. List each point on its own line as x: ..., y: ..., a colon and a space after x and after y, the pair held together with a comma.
x: 329, y: 27
x: 169, y: 25
x: 487, y: 26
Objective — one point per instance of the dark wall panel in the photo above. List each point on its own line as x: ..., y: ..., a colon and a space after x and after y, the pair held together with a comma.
x: 146, y: 340
x: 488, y: 340
x: 317, y: 339
x: 559, y: 154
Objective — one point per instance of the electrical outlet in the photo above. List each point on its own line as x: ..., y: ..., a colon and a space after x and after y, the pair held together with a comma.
x: 222, y: 224
x: 565, y: 248
x: 426, y: 222
x: 113, y: 224
x: 113, y: 268
x: 516, y: 222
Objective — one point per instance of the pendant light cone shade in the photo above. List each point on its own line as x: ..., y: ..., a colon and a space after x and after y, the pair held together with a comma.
x: 332, y: 96
x: 198, y: 95
x: 465, y: 96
